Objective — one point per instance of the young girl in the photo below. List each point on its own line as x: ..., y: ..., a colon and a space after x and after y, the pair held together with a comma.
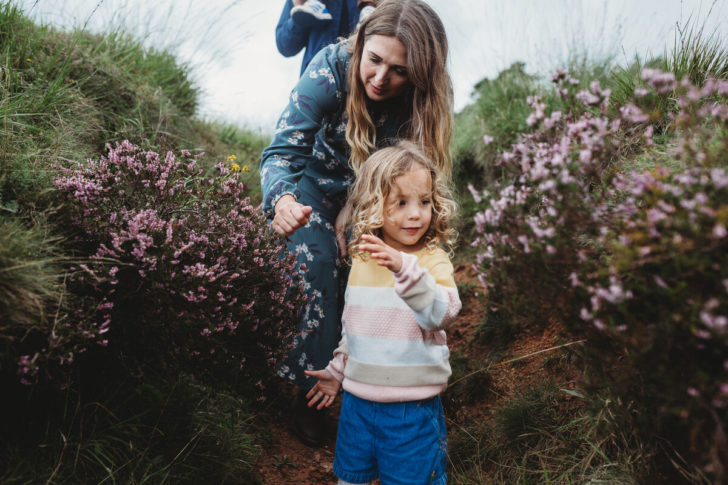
x: 392, y: 360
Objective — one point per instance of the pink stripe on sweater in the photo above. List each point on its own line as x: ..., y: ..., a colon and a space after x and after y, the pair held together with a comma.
x: 392, y: 393
x: 381, y: 322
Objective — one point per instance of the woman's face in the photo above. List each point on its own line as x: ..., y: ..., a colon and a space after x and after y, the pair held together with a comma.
x: 383, y: 67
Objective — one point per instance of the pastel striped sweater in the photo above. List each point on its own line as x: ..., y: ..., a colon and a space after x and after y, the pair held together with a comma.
x: 393, y: 345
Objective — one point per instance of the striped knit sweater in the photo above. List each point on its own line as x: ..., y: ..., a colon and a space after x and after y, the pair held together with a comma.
x: 393, y: 345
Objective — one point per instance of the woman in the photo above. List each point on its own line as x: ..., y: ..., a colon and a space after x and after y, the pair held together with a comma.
x: 388, y: 81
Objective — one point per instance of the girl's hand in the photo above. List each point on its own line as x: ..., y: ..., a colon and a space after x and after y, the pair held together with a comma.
x: 290, y: 215
x: 324, y: 390
x: 385, y: 254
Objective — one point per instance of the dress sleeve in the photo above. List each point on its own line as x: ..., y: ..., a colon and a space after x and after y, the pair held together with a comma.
x: 290, y: 37
x: 430, y: 293
x: 317, y: 94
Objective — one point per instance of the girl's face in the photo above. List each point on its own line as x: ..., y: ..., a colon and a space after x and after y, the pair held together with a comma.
x: 408, y: 210
x: 383, y: 67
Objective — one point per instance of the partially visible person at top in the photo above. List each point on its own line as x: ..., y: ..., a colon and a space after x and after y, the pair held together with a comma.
x: 387, y: 82
x: 393, y: 359
x: 313, y: 24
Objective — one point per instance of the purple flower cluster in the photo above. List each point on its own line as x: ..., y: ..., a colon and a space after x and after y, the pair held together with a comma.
x: 207, y: 273
x: 641, y: 257
x: 553, y: 172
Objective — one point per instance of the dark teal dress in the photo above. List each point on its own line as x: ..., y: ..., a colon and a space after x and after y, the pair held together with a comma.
x: 308, y: 158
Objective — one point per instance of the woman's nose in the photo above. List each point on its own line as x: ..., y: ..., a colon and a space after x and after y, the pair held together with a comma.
x: 381, y: 75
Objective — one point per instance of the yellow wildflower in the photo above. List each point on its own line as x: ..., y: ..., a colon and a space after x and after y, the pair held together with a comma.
x: 235, y: 167
x: 29, y: 59
x: 245, y: 168
x: 231, y: 158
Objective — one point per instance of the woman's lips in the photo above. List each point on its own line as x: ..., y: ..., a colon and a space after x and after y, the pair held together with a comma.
x: 376, y: 90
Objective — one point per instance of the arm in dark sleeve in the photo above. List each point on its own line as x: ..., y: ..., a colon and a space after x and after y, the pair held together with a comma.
x: 291, y: 38
x: 283, y: 162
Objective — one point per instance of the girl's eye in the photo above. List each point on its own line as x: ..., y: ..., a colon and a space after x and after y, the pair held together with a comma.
x: 401, y: 202
x: 401, y: 71
x: 374, y: 60
x: 425, y: 201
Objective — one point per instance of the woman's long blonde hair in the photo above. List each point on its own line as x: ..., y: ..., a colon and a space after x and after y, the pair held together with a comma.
x: 375, y: 181
x: 416, y: 25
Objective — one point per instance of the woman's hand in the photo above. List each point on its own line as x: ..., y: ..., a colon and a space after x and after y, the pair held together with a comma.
x: 383, y: 252
x: 290, y: 215
x: 343, y: 219
x: 324, y: 390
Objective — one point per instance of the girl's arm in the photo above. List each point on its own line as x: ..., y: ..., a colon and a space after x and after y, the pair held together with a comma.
x: 430, y: 293
x: 316, y: 94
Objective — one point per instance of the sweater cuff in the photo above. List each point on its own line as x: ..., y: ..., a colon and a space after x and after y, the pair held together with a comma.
x: 408, y: 261
x: 336, y: 366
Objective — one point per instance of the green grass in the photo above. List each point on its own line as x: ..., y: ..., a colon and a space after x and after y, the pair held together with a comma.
x: 543, y: 435
x: 63, y: 97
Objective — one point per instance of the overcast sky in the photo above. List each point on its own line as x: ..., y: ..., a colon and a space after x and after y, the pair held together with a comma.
x: 244, y: 80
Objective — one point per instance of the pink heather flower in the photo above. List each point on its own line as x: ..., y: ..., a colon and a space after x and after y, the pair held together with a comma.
x: 719, y: 231
x: 523, y: 239
x: 559, y: 75
x: 474, y: 194
x: 633, y: 114
x: 574, y: 279
x: 487, y: 140
x: 693, y: 392
x: 588, y: 98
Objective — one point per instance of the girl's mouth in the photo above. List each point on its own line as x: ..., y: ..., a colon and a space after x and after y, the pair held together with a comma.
x: 412, y: 230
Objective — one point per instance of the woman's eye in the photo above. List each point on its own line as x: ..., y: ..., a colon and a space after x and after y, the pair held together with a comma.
x: 401, y: 72
x: 373, y: 60
x: 401, y: 202
x: 425, y: 201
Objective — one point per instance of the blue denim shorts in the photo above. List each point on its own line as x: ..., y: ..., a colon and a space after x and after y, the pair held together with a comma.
x: 403, y: 443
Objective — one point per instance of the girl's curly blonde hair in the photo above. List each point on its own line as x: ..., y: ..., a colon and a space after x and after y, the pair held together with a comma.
x: 374, y: 183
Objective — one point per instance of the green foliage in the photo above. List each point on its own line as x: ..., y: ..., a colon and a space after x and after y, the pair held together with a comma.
x: 63, y: 97
x: 471, y: 382
x: 499, y: 110
x: 633, y: 261
x: 544, y: 434
x: 153, y: 430
x: 31, y: 284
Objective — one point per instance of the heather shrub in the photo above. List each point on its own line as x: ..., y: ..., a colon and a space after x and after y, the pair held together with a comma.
x: 182, y: 267
x: 633, y: 260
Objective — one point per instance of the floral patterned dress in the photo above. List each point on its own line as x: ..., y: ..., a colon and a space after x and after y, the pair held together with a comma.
x: 308, y: 158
